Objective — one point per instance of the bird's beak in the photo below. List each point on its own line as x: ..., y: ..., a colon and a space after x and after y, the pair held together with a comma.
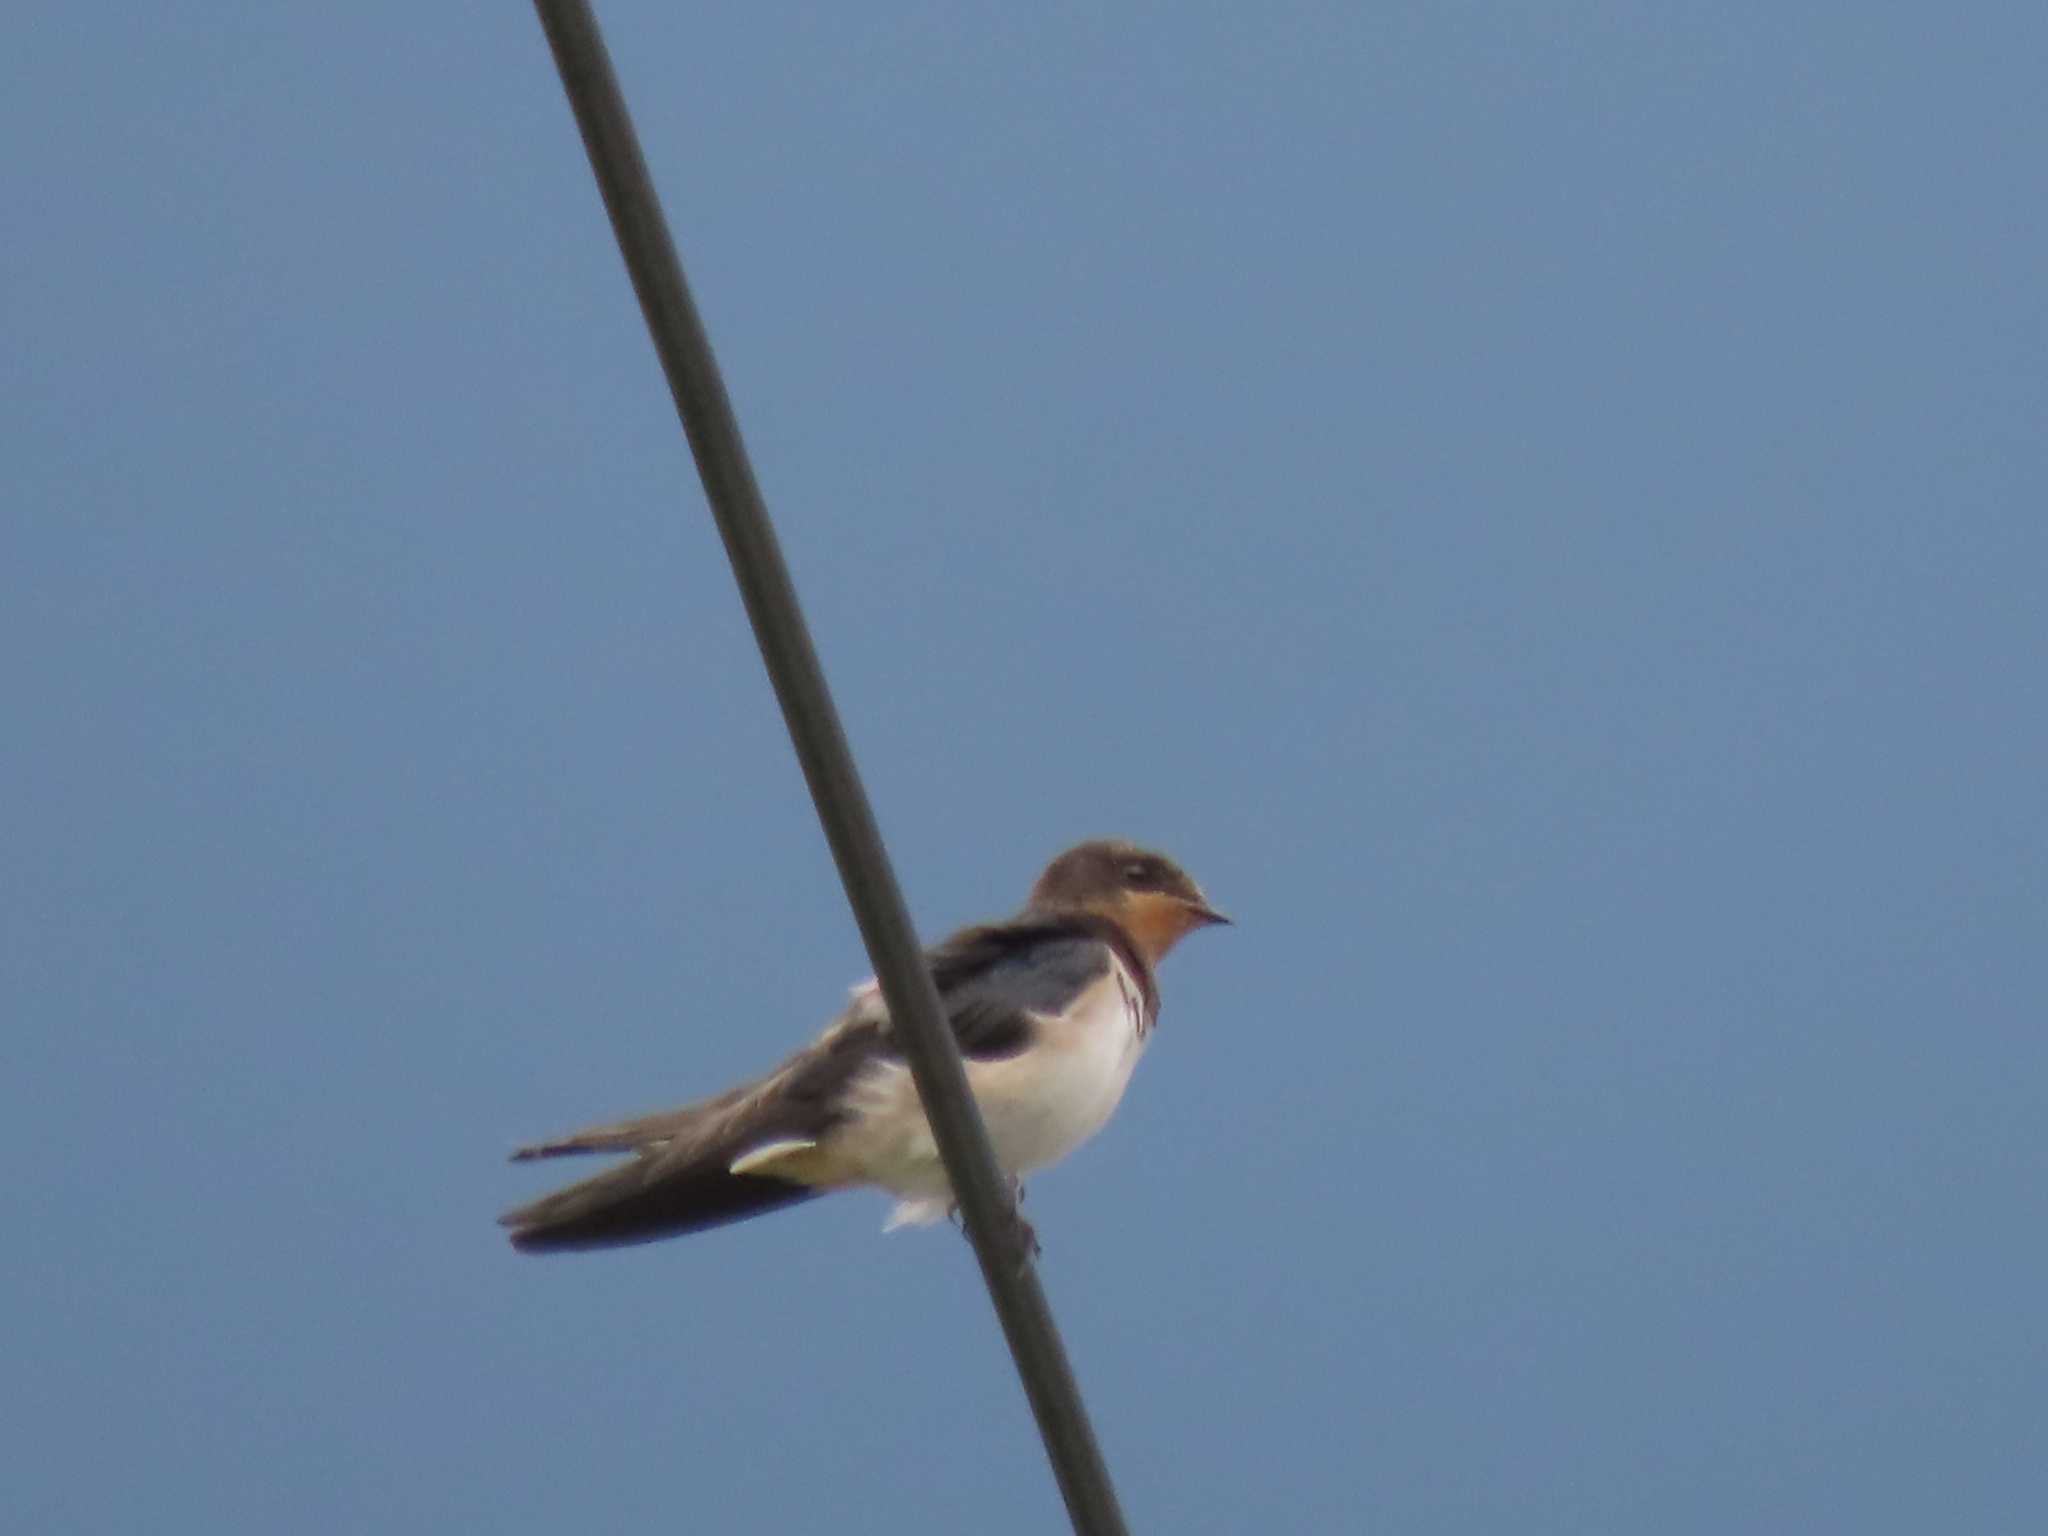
x: 1206, y: 915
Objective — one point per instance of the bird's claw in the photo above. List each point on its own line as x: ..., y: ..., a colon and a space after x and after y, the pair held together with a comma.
x: 1027, y: 1235
x: 1022, y: 1233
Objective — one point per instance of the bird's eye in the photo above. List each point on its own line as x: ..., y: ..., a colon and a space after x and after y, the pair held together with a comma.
x: 1137, y: 873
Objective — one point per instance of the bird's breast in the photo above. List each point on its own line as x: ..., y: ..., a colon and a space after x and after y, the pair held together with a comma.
x: 1049, y: 1098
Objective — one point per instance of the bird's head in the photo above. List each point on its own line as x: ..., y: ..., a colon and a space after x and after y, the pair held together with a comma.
x: 1144, y: 893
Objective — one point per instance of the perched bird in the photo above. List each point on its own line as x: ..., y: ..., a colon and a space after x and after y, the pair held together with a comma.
x: 1051, y: 1010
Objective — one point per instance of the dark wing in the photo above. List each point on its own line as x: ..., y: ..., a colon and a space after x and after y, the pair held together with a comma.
x: 992, y: 979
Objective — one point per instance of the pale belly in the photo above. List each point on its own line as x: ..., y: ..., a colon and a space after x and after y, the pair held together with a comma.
x: 1038, y: 1105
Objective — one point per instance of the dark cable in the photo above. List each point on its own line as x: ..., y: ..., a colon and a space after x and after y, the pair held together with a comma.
x: 685, y: 351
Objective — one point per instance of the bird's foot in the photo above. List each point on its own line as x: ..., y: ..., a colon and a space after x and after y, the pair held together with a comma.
x: 1021, y: 1234
x: 1027, y: 1235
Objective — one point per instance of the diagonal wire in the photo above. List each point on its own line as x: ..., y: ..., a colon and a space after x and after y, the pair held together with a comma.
x: 771, y: 603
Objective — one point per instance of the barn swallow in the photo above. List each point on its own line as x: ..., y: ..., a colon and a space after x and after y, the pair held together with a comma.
x: 1051, y: 1010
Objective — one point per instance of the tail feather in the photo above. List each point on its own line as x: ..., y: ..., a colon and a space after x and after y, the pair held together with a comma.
x: 680, y: 1177
x: 623, y: 1135
x: 641, y: 1201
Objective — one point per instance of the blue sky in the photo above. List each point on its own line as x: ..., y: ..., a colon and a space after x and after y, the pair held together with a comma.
x: 1540, y: 508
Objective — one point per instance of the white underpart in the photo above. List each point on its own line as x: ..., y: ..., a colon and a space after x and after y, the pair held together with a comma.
x: 771, y: 1153
x: 1039, y: 1104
